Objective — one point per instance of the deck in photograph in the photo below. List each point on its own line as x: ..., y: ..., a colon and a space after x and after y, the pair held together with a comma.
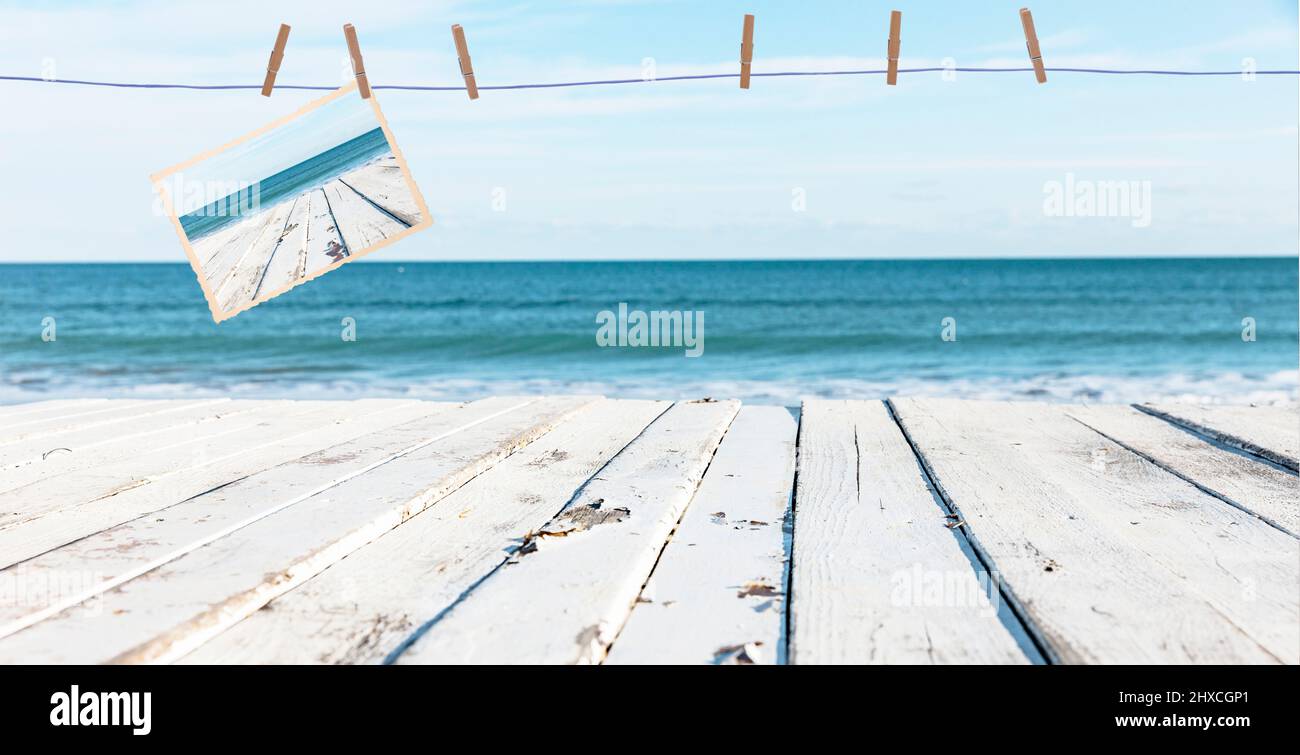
x: 272, y: 250
x: 589, y: 530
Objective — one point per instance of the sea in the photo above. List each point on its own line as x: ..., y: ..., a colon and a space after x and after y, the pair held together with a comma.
x: 774, y: 332
x: 287, y: 184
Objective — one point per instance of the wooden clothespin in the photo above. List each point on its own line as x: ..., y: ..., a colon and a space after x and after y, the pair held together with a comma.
x: 462, y: 54
x: 746, y: 50
x: 358, y: 65
x: 895, y: 27
x: 1031, y: 41
x: 277, y: 56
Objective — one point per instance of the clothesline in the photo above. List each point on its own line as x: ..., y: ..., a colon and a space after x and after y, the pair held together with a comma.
x: 660, y: 79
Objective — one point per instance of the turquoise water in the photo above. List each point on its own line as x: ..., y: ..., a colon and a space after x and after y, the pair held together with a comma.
x: 1101, y: 330
x: 286, y: 184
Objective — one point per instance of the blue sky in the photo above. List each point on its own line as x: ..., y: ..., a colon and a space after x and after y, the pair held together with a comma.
x: 931, y: 168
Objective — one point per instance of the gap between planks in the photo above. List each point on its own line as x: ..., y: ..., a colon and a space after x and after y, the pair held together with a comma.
x: 1109, y: 558
x: 871, y: 544
x: 565, y: 601
x: 363, y: 608
x: 718, y: 591
x: 1252, y: 484
x: 196, y: 525
x: 1273, y: 440
x: 57, y: 510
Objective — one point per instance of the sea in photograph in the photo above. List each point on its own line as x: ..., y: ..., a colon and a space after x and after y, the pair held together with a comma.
x: 1052, y: 330
x: 287, y: 184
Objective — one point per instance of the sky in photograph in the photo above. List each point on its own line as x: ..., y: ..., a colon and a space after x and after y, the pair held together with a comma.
x: 793, y: 168
x: 306, y: 136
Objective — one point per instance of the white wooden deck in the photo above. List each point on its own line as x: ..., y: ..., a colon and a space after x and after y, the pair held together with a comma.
x: 588, y: 530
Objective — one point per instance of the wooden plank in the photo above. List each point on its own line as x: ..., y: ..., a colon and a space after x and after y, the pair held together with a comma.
x: 50, y: 513
x: 878, y: 576
x: 1108, y: 558
x: 221, y: 252
x: 11, y: 412
x: 287, y: 261
x: 123, y: 461
x: 1272, y: 432
x: 566, y: 597
x: 1257, y: 487
x: 237, y: 289
x: 208, y: 249
x: 224, y: 248
x: 383, y: 183
x: 39, y: 425
x: 130, y: 423
x: 361, y: 225
x: 158, y: 461
x: 717, y: 594
x: 162, y: 610
x: 324, y: 244
x: 312, y: 244
x: 119, y: 553
x: 360, y: 609
x: 105, y: 446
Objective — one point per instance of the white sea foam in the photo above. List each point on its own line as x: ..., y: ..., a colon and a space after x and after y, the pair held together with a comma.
x: 1221, y: 388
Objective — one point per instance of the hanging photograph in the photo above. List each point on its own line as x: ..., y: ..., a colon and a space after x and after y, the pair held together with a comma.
x: 292, y: 201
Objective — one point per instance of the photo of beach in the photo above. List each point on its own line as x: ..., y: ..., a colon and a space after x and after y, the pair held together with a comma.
x: 292, y: 201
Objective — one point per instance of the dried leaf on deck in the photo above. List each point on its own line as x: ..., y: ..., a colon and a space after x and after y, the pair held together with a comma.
x: 738, y: 655
x: 757, y: 589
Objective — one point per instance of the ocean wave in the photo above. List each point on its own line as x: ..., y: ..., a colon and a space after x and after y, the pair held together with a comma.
x: 1281, y: 387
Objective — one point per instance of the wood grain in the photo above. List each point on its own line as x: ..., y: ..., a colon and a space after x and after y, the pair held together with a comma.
x: 107, y: 451
x: 42, y: 425
x: 879, y: 575
x: 53, y: 408
x: 359, y: 222
x: 163, y: 610
x: 221, y: 252
x: 1109, y: 558
x: 287, y: 262
x: 135, y: 422
x: 717, y: 594
x: 582, y: 530
x: 1272, y: 432
x: 58, y: 510
x: 1253, y: 486
x: 360, y: 609
x: 246, y: 272
x: 565, y: 600
x: 124, y: 551
x: 382, y: 183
